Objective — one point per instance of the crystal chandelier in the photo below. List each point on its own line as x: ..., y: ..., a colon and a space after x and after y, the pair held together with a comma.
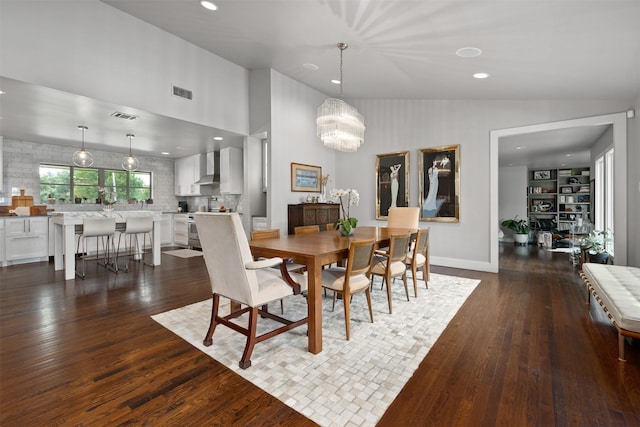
x: 130, y: 163
x: 82, y: 157
x: 340, y: 126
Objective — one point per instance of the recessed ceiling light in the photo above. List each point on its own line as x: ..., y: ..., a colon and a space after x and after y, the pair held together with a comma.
x: 165, y: 153
x: 569, y: 155
x: 335, y: 81
x: 481, y: 75
x: 2, y: 92
x: 208, y: 5
x: 179, y: 148
x: 218, y: 138
x: 312, y: 67
x: 519, y: 148
x: 468, y: 52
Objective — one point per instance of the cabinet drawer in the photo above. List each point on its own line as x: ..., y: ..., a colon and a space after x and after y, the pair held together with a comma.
x: 27, y: 246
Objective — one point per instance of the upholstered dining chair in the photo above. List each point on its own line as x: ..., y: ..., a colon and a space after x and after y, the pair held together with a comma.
x: 418, y: 257
x: 351, y: 280
x: 403, y: 217
x: 235, y: 275
x: 390, y: 263
x: 102, y: 229
x: 303, y: 229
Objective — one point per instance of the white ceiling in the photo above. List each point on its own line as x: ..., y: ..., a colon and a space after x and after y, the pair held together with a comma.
x: 397, y: 49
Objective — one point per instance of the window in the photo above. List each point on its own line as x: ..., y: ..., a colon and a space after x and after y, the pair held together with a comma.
x: 604, y: 197
x: 55, y: 182
x: 66, y: 183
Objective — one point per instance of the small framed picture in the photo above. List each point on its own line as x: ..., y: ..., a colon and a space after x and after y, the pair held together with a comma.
x: 541, y: 174
x: 305, y: 178
x: 566, y: 190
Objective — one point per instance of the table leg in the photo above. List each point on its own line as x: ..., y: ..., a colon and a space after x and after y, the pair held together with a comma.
x: 156, y: 243
x: 58, y: 247
x: 69, y: 252
x: 314, y: 277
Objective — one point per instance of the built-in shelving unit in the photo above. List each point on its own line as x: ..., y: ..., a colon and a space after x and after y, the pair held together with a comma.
x: 557, y: 198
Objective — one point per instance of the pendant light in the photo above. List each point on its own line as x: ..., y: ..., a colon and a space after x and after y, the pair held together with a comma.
x: 340, y: 126
x: 82, y: 157
x: 130, y: 163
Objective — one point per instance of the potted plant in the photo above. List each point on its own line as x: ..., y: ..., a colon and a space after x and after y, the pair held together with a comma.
x: 347, y: 223
x: 520, y: 229
x: 595, y: 246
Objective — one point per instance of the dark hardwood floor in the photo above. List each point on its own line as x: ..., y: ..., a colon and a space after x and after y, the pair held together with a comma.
x: 525, y: 349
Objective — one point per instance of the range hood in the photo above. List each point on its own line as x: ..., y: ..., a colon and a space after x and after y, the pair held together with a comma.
x: 213, y: 170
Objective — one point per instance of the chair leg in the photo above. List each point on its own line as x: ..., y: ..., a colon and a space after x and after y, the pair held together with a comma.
x: 245, y: 362
x: 414, y: 271
x: 389, y: 292
x: 208, y: 340
x: 347, y: 315
x: 368, y: 293
x: 404, y: 279
x: 335, y: 297
x: 425, y: 275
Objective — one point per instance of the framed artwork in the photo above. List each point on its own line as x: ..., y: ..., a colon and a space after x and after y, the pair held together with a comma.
x: 541, y: 174
x: 392, y: 182
x: 439, y: 181
x: 305, y: 178
x: 566, y: 190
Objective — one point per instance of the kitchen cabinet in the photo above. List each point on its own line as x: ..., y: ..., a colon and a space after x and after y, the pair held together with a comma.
x: 166, y: 230
x: 231, y: 171
x: 26, y: 239
x: 312, y: 214
x: 181, y: 230
x: 187, y: 171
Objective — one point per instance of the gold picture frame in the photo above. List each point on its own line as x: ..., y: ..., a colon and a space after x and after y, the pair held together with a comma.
x: 439, y: 182
x: 392, y: 182
x: 306, y: 178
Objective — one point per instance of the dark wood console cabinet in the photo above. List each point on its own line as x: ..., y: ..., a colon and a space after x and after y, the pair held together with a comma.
x: 312, y: 214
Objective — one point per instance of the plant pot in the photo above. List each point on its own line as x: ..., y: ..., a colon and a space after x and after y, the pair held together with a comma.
x: 344, y: 233
x: 521, y: 239
x: 600, y: 258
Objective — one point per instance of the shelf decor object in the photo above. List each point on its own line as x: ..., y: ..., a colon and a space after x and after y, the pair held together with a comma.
x: 82, y: 157
x: 339, y: 125
x: 392, y: 182
x: 546, y: 174
x: 439, y: 182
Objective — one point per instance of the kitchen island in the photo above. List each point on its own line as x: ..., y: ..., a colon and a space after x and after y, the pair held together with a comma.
x: 65, y: 224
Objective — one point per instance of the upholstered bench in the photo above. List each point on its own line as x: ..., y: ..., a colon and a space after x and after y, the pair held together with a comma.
x: 617, y: 290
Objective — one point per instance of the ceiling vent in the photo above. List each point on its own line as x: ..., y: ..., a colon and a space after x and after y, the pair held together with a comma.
x: 125, y: 116
x: 182, y: 93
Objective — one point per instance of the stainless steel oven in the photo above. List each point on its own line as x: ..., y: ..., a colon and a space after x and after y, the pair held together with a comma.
x: 192, y: 233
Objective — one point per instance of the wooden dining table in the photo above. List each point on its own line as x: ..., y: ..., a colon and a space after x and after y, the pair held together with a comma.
x: 315, y: 250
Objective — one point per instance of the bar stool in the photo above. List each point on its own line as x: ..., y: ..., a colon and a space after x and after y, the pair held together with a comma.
x: 136, y: 226
x: 98, y: 228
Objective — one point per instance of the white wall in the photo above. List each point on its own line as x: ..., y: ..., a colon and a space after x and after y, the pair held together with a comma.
x: 293, y: 139
x: 404, y: 124
x: 92, y: 49
x: 512, y: 195
x: 633, y: 168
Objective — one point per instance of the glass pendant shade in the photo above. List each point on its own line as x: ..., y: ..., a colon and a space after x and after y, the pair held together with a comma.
x: 339, y: 125
x: 130, y: 163
x: 82, y: 157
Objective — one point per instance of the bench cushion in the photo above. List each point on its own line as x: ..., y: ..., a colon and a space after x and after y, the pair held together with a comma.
x: 619, y: 288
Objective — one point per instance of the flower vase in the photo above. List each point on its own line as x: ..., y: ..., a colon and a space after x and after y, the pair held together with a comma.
x: 107, y: 208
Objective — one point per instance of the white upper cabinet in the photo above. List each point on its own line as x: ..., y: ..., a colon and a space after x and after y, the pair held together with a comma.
x: 188, y: 170
x: 231, y: 171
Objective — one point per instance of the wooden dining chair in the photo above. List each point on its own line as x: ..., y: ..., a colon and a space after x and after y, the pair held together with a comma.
x: 274, y: 233
x: 390, y: 263
x: 353, y: 279
x: 302, y: 229
x: 418, y: 258
x: 235, y: 275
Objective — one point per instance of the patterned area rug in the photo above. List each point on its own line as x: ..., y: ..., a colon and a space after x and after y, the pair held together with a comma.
x: 350, y: 382
x: 183, y: 253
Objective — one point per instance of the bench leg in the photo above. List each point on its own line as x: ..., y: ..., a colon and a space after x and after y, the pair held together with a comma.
x: 621, y: 348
